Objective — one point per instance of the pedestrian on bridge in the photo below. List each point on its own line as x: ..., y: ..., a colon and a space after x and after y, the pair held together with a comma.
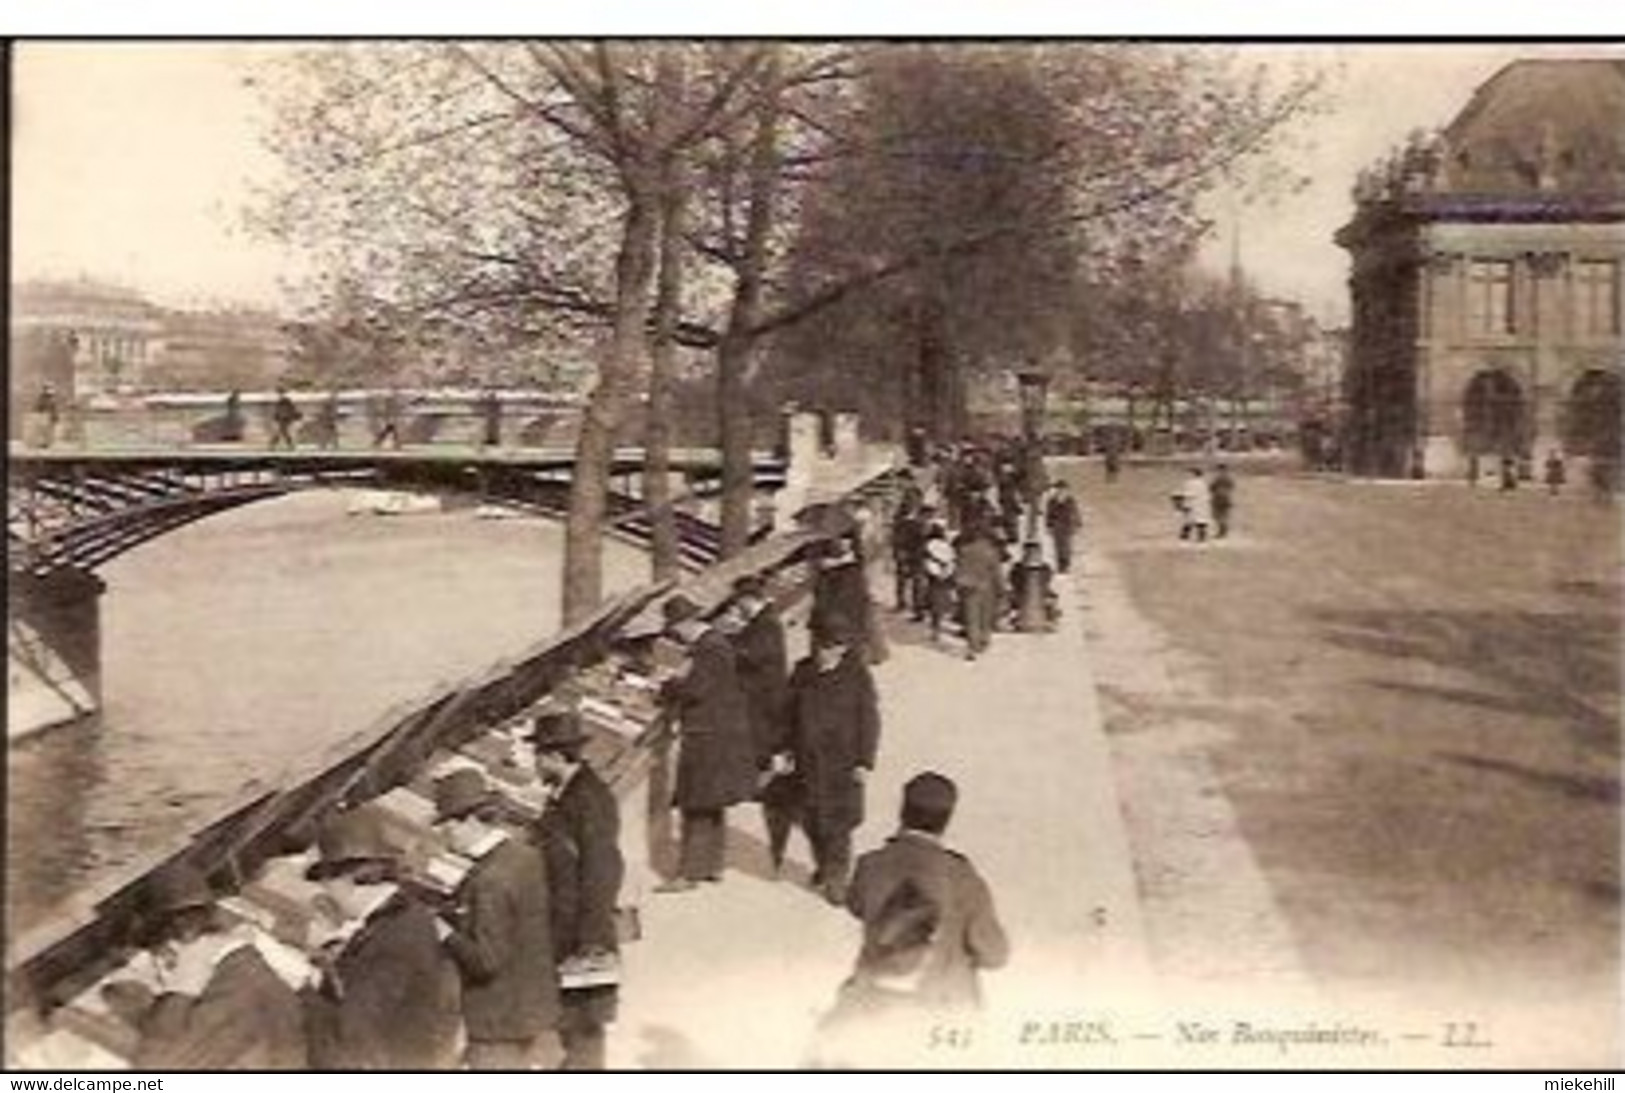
x: 491, y: 417
x: 327, y: 422
x: 579, y: 834
x: 284, y: 416
x: 834, y: 736
x: 50, y: 413
x: 387, y: 414
x: 716, y: 758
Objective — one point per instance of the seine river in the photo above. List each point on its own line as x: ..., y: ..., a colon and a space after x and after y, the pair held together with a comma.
x: 251, y: 640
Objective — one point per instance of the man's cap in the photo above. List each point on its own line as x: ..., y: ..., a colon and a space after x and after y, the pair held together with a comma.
x: 679, y: 608
x: 751, y: 584
x: 556, y: 727
x: 356, y: 835
x: 459, y: 793
x: 930, y: 792
x: 179, y: 888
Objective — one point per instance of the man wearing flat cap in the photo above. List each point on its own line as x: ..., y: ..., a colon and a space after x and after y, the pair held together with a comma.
x: 833, y: 718
x: 221, y: 1006
x: 579, y: 835
x: 389, y: 997
x: 501, y: 938
x: 716, y: 758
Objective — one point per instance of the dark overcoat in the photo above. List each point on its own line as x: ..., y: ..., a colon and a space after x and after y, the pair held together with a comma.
x: 968, y: 936
x: 716, y: 758
x: 247, y: 1018
x: 503, y: 946
x: 392, y: 1001
x: 842, y: 591
x: 834, y: 724
x: 579, y: 835
x: 762, y: 664
x: 580, y: 838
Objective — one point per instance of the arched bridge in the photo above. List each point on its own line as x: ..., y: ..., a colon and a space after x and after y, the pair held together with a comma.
x: 77, y: 509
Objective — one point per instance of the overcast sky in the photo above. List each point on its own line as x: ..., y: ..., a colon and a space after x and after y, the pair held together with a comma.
x: 131, y: 162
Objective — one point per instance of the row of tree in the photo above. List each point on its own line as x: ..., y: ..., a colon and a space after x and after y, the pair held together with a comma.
x: 872, y: 223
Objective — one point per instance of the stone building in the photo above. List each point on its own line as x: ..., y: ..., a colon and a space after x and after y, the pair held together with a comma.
x: 104, y: 337
x: 1487, y: 288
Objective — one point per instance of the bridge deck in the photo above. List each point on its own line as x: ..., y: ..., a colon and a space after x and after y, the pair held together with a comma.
x: 226, y: 454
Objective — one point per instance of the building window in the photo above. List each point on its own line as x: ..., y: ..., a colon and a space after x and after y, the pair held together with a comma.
x: 1596, y: 295
x: 1489, y: 297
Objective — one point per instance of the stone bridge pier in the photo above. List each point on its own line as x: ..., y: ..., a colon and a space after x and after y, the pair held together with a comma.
x: 53, y: 649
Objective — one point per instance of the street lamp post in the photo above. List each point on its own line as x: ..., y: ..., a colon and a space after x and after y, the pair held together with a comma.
x: 1033, y: 385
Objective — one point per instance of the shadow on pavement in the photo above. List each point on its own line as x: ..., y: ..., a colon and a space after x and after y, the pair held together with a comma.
x: 1530, y: 664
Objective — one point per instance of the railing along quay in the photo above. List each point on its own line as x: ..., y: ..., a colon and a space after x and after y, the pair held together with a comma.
x: 606, y: 662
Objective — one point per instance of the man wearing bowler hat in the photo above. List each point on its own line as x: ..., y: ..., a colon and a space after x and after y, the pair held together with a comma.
x: 716, y: 758
x: 221, y: 1006
x: 579, y: 835
x: 834, y: 733
x: 759, y: 651
x: 388, y: 998
x: 501, y: 938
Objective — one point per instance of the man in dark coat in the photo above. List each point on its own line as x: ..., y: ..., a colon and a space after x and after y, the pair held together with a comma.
x: 834, y: 733
x: 502, y: 937
x: 841, y: 588
x: 763, y: 665
x: 1062, y: 519
x: 716, y: 757
x: 579, y: 835
x: 979, y: 576
x: 389, y: 997
x: 929, y: 928
x: 907, y: 550
x: 223, y: 1008
x: 1223, y: 490
x: 284, y: 416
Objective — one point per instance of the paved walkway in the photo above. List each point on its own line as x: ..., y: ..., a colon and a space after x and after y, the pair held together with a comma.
x: 736, y: 975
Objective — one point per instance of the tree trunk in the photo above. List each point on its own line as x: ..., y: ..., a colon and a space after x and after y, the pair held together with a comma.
x: 664, y: 555
x: 617, y: 369
x: 738, y: 341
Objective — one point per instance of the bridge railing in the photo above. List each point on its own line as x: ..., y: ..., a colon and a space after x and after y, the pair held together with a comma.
x: 50, y: 966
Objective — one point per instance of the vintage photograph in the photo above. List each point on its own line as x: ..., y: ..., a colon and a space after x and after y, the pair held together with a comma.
x: 715, y: 554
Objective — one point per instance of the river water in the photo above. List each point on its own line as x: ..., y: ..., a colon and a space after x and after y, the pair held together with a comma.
x: 254, y: 640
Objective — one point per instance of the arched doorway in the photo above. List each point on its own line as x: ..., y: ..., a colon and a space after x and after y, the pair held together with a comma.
x: 1591, y: 424
x: 1493, y: 412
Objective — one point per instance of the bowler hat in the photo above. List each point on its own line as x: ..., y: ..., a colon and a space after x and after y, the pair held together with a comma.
x: 930, y: 792
x: 459, y: 793
x: 556, y: 728
x: 179, y: 888
x: 679, y: 608
x: 353, y: 836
